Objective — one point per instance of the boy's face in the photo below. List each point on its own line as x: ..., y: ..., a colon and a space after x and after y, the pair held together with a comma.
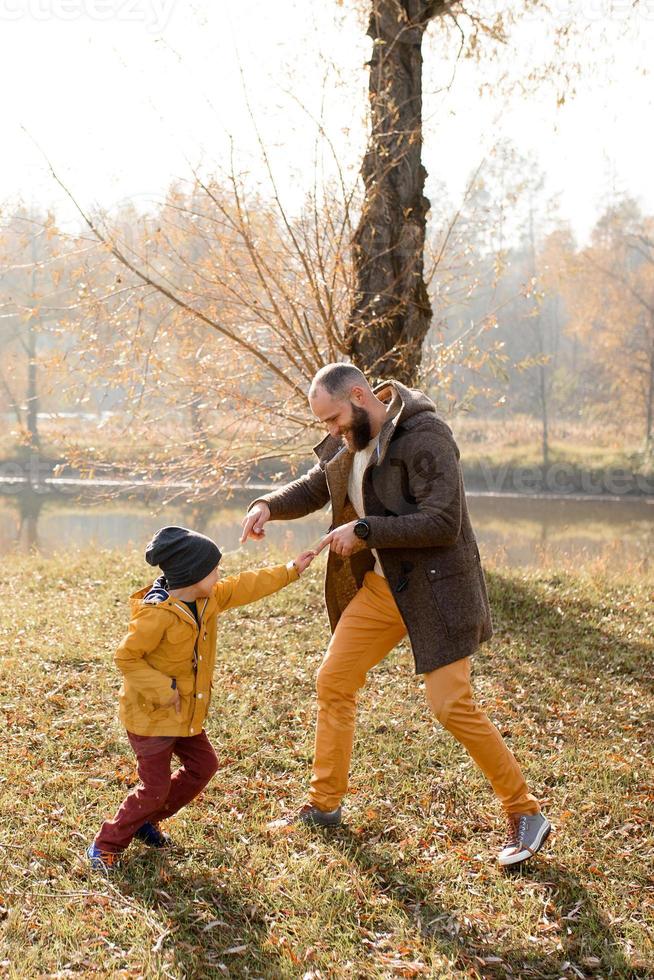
x: 203, y: 588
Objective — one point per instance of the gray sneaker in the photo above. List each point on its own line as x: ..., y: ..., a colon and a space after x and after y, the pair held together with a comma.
x: 527, y: 834
x: 310, y: 815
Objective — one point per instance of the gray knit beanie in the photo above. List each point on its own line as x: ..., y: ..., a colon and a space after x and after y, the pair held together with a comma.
x: 185, y: 557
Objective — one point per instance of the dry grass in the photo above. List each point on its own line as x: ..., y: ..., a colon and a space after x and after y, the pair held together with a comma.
x: 408, y: 888
x: 516, y: 441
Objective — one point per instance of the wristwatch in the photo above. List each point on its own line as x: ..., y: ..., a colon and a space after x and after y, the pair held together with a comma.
x: 362, y: 529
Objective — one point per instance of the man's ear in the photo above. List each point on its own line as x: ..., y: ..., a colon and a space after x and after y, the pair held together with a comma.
x: 357, y: 395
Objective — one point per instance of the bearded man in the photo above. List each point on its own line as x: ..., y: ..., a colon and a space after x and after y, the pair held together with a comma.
x: 403, y: 559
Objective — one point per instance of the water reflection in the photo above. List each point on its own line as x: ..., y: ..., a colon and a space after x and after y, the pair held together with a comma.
x: 518, y: 531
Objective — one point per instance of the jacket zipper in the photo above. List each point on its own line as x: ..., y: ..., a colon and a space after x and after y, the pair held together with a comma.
x: 198, y: 625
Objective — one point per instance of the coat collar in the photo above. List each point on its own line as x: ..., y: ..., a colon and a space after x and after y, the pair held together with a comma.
x: 337, y: 472
x: 328, y: 447
x: 389, y: 392
x: 170, y: 603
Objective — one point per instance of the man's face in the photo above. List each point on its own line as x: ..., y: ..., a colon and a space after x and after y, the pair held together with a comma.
x: 343, y: 418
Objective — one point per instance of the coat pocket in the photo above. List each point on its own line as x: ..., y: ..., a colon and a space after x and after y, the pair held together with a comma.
x: 155, y: 716
x: 457, y: 591
x: 180, y: 632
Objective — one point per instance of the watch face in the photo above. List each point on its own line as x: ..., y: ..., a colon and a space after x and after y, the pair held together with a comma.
x: 361, y: 529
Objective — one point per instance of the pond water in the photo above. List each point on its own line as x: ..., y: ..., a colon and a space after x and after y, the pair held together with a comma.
x: 514, y: 530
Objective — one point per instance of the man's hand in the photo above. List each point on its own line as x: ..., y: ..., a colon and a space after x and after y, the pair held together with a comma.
x: 342, y: 540
x: 176, y: 701
x: 304, y: 560
x: 254, y: 521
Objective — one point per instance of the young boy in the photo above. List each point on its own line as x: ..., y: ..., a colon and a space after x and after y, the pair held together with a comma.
x: 167, y: 661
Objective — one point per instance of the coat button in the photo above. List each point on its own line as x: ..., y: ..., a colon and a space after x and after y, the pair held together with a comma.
x: 200, y: 695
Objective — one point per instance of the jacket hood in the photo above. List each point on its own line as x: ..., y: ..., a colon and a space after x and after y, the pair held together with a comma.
x: 158, y: 596
x: 412, y: 401
x: 158, y: 593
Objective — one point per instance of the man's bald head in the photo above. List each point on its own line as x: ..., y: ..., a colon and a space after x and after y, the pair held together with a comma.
x: 343, y: 401
x: 338, y: 380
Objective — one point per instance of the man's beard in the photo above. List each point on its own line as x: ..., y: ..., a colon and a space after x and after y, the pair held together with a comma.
x: 360, y: 430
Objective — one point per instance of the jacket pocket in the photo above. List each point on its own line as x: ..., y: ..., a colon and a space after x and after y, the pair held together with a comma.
x: 166, y: 714
x: 148, y: 716
x: 456, y: 588
x: 181, y: 632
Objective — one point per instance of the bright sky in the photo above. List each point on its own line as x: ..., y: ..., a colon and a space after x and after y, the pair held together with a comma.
x: 126, y: 95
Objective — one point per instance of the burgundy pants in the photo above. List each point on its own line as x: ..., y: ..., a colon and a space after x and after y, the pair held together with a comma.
x: 160, y: 794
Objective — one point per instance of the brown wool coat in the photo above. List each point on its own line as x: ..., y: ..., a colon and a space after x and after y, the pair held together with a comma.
x: 416, y: 506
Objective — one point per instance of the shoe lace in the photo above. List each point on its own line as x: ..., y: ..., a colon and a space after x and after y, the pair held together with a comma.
x: 516, y: 826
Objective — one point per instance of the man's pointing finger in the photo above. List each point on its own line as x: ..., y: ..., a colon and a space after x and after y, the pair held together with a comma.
x: 247, y: 527
x: 323, y: 543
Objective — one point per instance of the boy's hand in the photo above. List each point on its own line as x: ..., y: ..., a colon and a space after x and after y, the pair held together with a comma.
x: 176, y: 701
x: 304, y: 560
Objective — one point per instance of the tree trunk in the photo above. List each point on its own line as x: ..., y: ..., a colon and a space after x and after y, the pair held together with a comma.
x: 28, y: 528
x: 544, y: 418
x: 391, y: 312
x: 33, y: 328
x: 32, y: 390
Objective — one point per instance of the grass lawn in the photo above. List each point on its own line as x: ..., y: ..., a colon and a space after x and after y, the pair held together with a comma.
x: 409, y: 887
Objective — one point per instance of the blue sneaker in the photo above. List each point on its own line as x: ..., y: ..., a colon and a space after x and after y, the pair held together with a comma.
x: 150, y: 834
x: 104, y: 861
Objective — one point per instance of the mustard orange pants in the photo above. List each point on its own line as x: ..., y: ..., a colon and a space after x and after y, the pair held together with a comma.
x: 367, y: 631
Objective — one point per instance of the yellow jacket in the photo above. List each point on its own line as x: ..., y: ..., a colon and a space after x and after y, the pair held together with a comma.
x: 165, y: 643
